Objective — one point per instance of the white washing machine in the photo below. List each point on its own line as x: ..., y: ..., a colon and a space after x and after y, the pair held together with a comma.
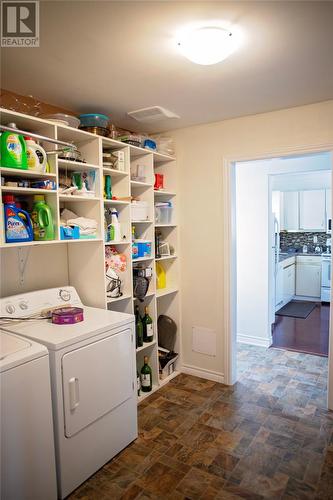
x: 93, y: 380
x: 28, y: 468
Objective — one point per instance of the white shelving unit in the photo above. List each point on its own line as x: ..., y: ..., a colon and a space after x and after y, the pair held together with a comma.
x: 83, y: 261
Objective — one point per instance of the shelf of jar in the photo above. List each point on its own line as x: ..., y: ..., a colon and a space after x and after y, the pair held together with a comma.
x: 146, y: 345
x: 114, y: 172
x: 32, y: 174
x: 23, y: 190
x: 76, y: 165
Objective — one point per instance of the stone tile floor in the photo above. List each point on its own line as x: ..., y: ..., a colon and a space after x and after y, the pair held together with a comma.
x: 269, y: 436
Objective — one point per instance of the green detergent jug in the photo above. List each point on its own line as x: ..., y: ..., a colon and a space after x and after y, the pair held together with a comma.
x: 13, y: 150
x: 42, y: 220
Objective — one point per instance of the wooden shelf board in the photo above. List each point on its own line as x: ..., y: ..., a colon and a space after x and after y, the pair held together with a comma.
x: 50, y: 242
x: 164, y: 193
x: 64, y: 197
x: 123, y: 297
x: 22, y: 190
x: 115, y: 173
x: 75, y: 165
x: 142, y: 259
x: 141, y: 184
x: 165, y: 225
x: 166, y: 257
x: 18, y: 172
x: 165, y: 291
x: 116, y: 202
x: 146, y: 345
x: 124, y: 242
x: 162, y: 158
x: 168, y: 378
x: 141, y: 221
x: 148, y: 295
x: 145, y: 395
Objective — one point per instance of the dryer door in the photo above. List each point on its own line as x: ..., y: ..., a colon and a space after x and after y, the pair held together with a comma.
x: 96, y: 378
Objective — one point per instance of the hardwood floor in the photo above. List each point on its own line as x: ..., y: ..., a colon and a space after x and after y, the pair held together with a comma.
x: 267, y: 437
x: 308, y: 335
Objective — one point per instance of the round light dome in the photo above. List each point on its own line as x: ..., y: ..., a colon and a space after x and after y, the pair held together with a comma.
x: 207, y: 45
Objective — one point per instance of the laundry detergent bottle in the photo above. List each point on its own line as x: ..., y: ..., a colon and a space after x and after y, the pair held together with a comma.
x: 13, y: 150
x: 18, y: 226
x: 36, y: 156
x: 42, y: 220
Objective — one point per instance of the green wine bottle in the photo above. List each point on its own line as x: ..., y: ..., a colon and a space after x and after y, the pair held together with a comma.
x: 138, y: 382
x: 148, y: 333
x: 138, y: 328
x: 146, y: 376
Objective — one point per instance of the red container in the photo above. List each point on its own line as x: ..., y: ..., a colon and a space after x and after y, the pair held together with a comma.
x: 159, y: 182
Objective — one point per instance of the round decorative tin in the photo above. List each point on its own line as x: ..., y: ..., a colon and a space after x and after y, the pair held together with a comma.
x: 67, y: 315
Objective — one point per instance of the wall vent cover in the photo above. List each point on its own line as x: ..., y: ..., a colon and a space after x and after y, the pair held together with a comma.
x: 152, y: 114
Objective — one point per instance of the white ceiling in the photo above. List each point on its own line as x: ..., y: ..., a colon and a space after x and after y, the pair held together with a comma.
x: 114, y: 57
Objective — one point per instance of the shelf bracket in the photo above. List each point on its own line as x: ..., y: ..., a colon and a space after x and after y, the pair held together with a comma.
x: 23, y: 256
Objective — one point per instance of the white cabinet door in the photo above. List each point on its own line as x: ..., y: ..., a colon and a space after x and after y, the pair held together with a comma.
x: 328, y: 203
x: 290, y: 211
x: 96, y: 379
x: 279, y: 288
x: 288, y: 283
x: 312, y: 209
x: 308, y: 280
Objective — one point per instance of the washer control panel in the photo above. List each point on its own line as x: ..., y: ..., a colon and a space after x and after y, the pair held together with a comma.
x: 33, y: 303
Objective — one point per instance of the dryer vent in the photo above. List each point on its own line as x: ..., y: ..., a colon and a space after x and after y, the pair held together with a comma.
x: 152, y: 114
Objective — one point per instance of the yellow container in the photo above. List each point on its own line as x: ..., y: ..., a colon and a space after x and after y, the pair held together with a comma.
x: 160, y: 276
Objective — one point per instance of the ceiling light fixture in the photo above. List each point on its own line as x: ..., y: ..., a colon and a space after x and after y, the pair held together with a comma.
x: 207, y: 45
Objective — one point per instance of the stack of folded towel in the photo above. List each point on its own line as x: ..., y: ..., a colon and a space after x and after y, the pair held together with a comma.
x: 88, y: 227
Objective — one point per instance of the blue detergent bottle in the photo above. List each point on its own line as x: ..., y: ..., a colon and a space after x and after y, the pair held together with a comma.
x: 18, y: 226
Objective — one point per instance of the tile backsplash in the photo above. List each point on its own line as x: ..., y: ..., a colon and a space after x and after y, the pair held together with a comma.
x: 297, y: 240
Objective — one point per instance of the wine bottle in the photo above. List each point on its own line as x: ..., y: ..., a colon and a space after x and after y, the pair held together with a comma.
x: 146, y: 376
x: 138, y: 382
x: 148, y: 332
x: 138, y: 328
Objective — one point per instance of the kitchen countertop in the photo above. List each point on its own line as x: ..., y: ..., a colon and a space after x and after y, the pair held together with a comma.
x: 284, y: 256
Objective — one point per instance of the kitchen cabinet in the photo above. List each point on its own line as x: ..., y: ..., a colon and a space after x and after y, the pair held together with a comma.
x: 308, y: 276
x: 289, y: 275
x: 290, y: 221
x: 312, y: 210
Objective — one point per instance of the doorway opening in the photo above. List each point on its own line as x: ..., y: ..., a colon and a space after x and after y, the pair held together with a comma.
x: 282, y: 224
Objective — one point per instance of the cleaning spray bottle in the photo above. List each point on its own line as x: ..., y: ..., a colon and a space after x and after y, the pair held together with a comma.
x: 115, y: 225
x: 13, y: 149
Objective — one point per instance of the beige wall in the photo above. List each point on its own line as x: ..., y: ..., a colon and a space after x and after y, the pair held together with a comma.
x: 200, y: 152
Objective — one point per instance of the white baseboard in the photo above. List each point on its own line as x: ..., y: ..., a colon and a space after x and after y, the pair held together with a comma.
x: 258, y: 341
x: 202, y: 373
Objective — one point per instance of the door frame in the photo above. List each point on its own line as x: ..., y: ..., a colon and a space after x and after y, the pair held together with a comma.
x: 229, y: 261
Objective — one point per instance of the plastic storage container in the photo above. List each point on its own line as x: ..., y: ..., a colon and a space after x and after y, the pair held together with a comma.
x: 163, y: 212
x: 139, y: 210
x: 94, y: 120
